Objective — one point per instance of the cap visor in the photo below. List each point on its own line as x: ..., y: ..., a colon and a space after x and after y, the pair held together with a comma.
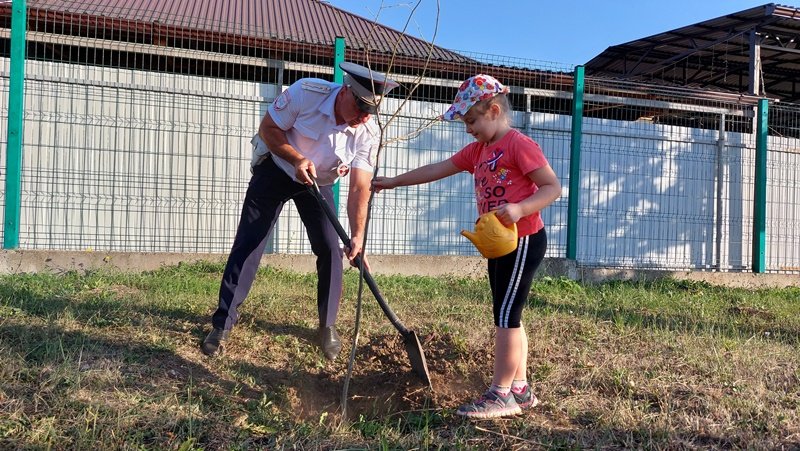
x: 366, y: 107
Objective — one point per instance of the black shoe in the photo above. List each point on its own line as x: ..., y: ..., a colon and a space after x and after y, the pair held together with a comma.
x: 329, y: 342
x: 213, y: 344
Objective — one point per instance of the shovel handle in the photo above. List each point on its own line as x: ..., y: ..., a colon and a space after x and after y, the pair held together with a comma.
x: 373, y: 287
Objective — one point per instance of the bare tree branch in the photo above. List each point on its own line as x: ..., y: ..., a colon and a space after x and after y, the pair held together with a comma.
x: 381, y: 144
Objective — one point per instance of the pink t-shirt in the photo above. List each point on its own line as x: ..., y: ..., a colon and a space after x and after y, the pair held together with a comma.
x: 501, y: 174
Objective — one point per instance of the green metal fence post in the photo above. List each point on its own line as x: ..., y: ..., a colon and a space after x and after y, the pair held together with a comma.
x: 760, y: 190
x: 575, y: 163
x: 16, y: 105
x: 338, y: 77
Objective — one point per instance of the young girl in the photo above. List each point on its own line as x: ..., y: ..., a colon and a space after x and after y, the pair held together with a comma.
x: 513, y: 179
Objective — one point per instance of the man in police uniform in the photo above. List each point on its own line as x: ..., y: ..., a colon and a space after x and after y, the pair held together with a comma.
x: 315, y: 129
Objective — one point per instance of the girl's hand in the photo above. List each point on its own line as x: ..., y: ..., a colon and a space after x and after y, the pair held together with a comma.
x: 509, y: 214
x: 381, y: 183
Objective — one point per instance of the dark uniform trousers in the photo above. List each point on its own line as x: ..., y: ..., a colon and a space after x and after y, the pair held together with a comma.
x: 268, y: 191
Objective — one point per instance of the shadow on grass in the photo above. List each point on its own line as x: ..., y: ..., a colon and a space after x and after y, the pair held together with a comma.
x: 101, y: 309
x: 51, y: 345
x: 585, y: 436
x: 237, y: 401
x: 269, y: 328
x: 743, y: 326
x: 140, y: 389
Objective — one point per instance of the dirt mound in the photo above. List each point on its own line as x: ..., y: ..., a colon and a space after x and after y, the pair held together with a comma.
x: 383, y: 383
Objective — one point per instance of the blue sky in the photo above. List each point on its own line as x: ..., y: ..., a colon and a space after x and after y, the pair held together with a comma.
x: 562, y: 31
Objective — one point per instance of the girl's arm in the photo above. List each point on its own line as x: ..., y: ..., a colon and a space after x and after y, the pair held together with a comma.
x: 549, y: 190
x: 420, y: 175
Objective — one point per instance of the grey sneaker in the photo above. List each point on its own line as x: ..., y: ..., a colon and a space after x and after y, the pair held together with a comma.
x: 526, y: 399
x: 213, y: 344
x: 491, y: 405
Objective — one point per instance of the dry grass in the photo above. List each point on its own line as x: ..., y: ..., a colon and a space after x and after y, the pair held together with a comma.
x: 111, y: 361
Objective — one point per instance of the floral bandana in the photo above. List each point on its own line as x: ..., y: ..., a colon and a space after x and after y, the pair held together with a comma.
x: 472, y: 91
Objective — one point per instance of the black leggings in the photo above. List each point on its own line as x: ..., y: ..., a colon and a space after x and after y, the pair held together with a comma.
x: 511, y: 276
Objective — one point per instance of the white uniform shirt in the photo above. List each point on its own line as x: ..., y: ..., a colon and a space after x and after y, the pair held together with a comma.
x: 305, y: 112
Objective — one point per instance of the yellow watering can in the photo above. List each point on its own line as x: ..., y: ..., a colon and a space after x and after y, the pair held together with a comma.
x: 491, y: 237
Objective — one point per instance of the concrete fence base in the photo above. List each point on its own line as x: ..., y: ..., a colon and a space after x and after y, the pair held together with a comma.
x: 28, y: 261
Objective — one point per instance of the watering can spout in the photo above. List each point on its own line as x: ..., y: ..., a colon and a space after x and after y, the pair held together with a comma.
x: 472, y: 236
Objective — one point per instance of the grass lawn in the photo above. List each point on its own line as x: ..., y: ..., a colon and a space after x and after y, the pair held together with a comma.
x: 111, y: 361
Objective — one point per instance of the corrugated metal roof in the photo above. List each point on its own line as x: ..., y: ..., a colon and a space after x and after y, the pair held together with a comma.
x: 715, y: 54
x: 304, y: 21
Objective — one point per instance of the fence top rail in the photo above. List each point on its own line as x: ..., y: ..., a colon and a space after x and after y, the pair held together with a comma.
x: 697, y: 100
x: 667, y: 105
x: 697, y: 95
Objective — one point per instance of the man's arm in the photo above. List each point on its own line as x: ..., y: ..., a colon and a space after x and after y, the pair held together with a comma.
x: 357, y: 200
x: 275, y: 139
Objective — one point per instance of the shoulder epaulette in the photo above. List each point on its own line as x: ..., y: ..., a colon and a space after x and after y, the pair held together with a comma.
x: 322, y: 88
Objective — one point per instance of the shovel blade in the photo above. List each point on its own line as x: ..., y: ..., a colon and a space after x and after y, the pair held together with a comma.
x: 418, y: 364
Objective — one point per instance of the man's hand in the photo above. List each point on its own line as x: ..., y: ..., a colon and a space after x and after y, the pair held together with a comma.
x: 354, y: 250
x: 305, y: 171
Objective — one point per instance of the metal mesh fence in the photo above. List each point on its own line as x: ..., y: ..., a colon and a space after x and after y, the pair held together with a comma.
x: 783, y: 189
x: 4, y: 94
x: 137, y: 138
x: 654, y: 168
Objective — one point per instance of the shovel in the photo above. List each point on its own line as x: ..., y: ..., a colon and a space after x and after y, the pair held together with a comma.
x: 410, y: 340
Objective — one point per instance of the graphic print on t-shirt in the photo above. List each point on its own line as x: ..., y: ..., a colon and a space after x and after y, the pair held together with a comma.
x: 503, y: 174
x: 493, y: 158
x: 491, y: 181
